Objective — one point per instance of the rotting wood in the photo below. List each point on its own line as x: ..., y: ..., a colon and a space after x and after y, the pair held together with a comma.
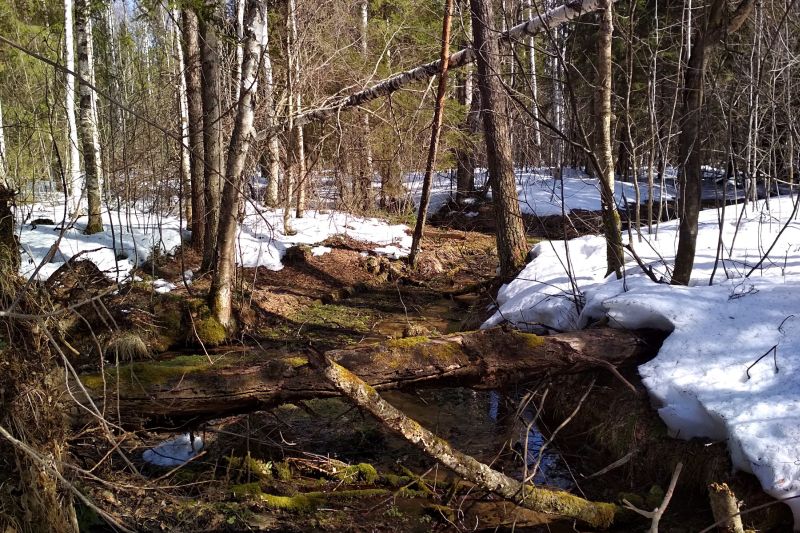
x: 549, y: 501
x: 725, y: 508
x: 192, y: 389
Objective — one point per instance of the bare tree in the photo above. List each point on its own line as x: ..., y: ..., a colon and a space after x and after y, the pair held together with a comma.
x: 718, y: 23
x: 512, y: 247
x: 436, y: 130
x: 90, y: 138
x: 212, y: 130
x: 194, y: 98
x: 255, y: 39
x: 74, y: 179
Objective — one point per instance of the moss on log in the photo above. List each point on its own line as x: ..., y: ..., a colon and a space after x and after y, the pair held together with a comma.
x: 195, y: 387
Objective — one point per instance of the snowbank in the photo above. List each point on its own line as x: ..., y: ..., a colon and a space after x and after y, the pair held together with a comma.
x: 175, y: 451
x: 539, y: 193
x: 709, y: 379
x: 131, y: 235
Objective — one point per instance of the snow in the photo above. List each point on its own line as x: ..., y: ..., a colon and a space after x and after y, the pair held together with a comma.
x: 261, y: 241
x: 128, y: 240
x: 130, y: 237
x: 539, y: 192
x: 318, y: 251
x: 175, y: 451
x: 707, y: 380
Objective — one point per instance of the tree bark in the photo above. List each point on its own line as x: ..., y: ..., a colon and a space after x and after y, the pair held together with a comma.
x: 189, y: 388
x: 436, y: 130
x: 604, y: 150
x: 90, y: 138
x: 212, y: 131
x: 74, y: 179
x: 551, y: 19
x: 3, y: 156
x: 183, y: 107
x: 194, y: 98
x: 255, y: 36
x: 718, y: 23
x: 367, y: 169
x: 512, y: 246
x: 270, y: 160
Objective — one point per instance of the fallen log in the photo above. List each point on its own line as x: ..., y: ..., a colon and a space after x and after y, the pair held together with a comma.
x: 543, y: 500
x: 188, y: 389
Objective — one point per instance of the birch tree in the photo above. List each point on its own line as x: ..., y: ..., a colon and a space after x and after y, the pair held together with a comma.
x: 604, y: 150
x: 74, y: 180
x: 90, y: 139
x: 255, y: 40
x: 270, y: 159
x: 183, y: 107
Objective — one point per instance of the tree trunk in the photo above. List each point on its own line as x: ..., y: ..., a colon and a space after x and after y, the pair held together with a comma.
x: 436, y: 130
x: 298, y: 154
x: 90, y: 138
x: 74, y: 178
x: 465, y: 151
x: 537, y: 132
x: 212, y: 132
x: 183, y: 107
x: 604, y: 150
x: 270, y: 160
x: 190, y: 388
x: 512, y: 247
x: 718, y: 22
x: 255, y: 35
x: 551, y: 19
x: 194, y: 98
x: 366, y: 167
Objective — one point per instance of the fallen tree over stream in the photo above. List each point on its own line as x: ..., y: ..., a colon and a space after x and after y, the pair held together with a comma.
x: 187, y: 390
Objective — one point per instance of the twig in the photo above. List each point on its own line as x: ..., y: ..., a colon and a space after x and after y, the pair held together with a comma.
x: 658, y: 512
x: 616, y: 464
x: 774, y: 351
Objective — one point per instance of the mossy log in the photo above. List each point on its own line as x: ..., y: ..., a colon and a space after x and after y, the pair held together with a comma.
x: 544, y: 500
x: 192, y: 388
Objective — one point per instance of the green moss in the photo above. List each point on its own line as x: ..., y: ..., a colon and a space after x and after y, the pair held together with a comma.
x: 361, y: 472
x: 296, y: 361
x: 149, y: 372
x: 283, y: 471
x: 247, y: 490
x: 258, y: 468
x: 408, y: 342
x: 534, y: 342
x: 209, y: 331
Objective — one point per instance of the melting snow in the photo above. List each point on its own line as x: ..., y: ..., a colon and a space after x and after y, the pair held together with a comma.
x: 175, y: 451
x: 707, y: 380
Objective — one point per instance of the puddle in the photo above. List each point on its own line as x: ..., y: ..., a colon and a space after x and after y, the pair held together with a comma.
x: 483, y: 424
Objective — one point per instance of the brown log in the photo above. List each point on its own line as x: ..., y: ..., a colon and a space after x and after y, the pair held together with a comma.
x: 193, y: 388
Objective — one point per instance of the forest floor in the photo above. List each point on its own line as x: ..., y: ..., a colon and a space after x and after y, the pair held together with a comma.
x: 324, y: 465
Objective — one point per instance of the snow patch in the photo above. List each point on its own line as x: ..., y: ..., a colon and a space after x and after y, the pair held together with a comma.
x: 175, y: 451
